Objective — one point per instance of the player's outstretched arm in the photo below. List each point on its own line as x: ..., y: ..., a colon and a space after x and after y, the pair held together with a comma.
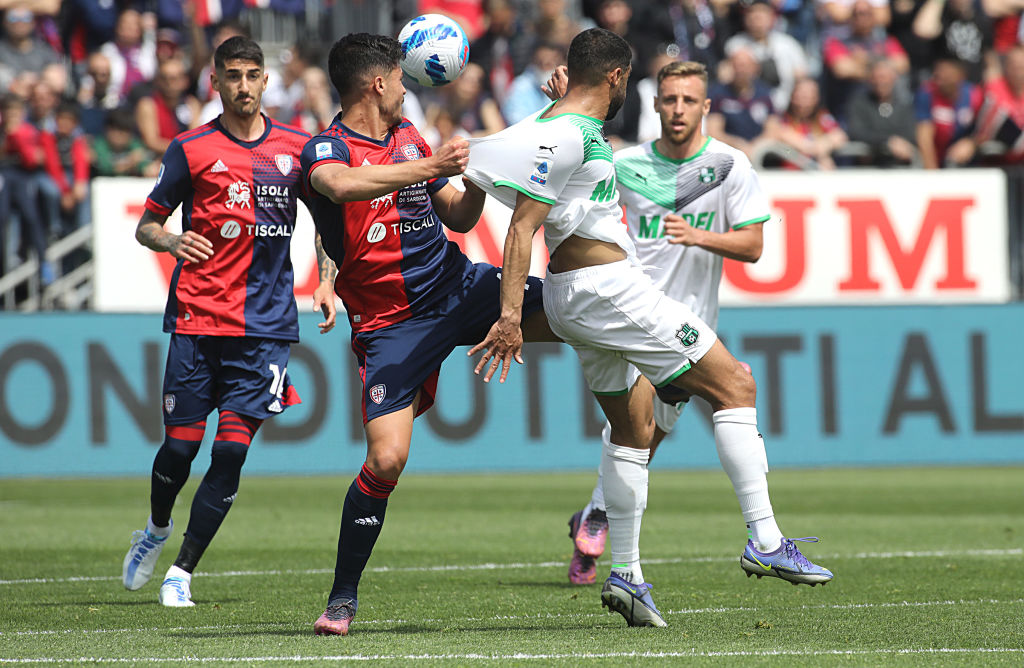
x: 323, y: 295
x: 459, y: 210
x: 504, y: 342
x: 341, y: 183
x: 186, y: 246
x: 743, y: 244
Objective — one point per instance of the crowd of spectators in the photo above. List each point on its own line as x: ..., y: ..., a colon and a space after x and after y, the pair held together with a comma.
x: 100, y: 87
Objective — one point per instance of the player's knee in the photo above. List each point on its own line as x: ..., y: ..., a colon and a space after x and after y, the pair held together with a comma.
x: 742, y: 389
x: 388, y: 464
x: 228, y: 456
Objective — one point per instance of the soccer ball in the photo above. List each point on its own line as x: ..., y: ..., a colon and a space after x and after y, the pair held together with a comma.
x: 434, y: 49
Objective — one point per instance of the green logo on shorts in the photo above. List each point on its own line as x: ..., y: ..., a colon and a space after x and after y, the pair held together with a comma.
x: 707, y: 174
x: 687, y: 335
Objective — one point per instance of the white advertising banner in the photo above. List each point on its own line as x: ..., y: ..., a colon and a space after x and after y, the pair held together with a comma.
x: 847, y: 237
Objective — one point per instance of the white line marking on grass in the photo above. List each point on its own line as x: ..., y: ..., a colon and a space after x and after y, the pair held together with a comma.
x: 495, y: 618
x: 522, y: 656
x: 543, y: 564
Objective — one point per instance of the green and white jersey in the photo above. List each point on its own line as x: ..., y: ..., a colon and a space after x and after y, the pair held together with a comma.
x: 563, y: 161
x: 716, y: 189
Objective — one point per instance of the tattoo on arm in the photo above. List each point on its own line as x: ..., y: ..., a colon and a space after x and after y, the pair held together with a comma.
x: 150, y: 232
x: 328, y: 270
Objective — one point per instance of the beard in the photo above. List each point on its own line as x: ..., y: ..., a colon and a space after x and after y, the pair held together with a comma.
x: 613, y: 107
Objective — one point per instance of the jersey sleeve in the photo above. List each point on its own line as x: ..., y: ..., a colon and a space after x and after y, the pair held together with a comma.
x: 173, y: 182
x: 435, y: 184
x: 556, y: 156
x: 746, y: 203
x: 318, y: 151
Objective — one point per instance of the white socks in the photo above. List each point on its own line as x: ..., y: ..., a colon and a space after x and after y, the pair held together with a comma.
x: 741, y: 452
x: 158, y: 532
x: 624, y: 482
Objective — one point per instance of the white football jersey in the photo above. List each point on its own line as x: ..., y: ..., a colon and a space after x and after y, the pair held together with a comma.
x: 564, y: 161
x: 716, y: 189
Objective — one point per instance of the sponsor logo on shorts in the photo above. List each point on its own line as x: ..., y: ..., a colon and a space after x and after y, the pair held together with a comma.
x: 169, y: 403
x: 284, y: 163
x: 275, y: 407
x: 377, y: 393
x: 687, y: 335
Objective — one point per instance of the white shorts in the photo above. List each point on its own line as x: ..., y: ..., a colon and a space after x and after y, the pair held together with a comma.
x: 614, y: 316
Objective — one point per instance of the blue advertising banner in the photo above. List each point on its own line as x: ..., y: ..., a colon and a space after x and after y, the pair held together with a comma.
x: 80, y: 394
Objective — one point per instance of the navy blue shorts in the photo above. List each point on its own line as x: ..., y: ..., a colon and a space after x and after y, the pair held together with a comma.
x: 247, y: 375
x: 397, y: 360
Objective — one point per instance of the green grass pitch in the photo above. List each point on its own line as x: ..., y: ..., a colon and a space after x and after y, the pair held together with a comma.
x: 471, y: 570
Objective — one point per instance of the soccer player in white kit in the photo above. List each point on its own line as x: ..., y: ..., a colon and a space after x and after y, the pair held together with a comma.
x: 555, y: 169
x: 691, y: 201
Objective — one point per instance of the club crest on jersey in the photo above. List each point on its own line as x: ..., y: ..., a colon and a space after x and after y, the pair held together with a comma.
x: 540, y: 174
x: 377, y: 393
x: 284, y: 163
x: 706, y: 175
x: 411, y: 152
x: 687, y: 335
x: 323, y: 150
x: 382, y: 202
x: 239, y: 193
x: 169, y: 403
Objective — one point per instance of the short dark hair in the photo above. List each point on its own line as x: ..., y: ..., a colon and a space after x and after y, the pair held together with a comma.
x: 120, y: 119
x: 68, y: 108
x: 594, y: 53
x: 237, y: 48
x: 357, y: 56
x: 11, y: 100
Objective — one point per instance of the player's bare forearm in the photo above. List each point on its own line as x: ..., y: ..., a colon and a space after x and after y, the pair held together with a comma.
x: 328, y: 270
x: 459, y: 210
x: 743, y: 244
x: 188, y: 245
x: 151, y: 233
x: 527, y: 218
x: 340, y: 183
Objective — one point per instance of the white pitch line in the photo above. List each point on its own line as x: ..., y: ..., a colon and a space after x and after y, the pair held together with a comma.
x: 546, y: 615
x: 544, y: 564
x: 523, y: 656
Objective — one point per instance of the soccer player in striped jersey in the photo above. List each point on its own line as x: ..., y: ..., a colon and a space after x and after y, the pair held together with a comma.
x: 380, y: 200
x: 231, y: 309
x: 691, y: 201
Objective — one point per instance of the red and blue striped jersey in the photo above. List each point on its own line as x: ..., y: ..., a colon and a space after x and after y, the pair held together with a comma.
x: 394, y: 260
x: 242, y: 197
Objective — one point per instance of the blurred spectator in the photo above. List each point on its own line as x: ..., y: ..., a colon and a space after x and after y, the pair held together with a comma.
x: 67, y: 163
x: 1008, y: 26
x: 919, y: 51
x: 470, y: 14
x: 837, y: 16
x: 525, y: 96
x: 132, y: 53
x: 1001, y: 120
x: 95, y: 95
x: 781, y: 57
x: 87, y: 25
x: 808, y: 127
x: 946, y: 108
x: 285, y: 87
x: 692, y: 25
x: 958, y: 29
x: 740, y: 108
x: 168, y: 44
x: 22, y: 159
x: 42, y: 106
x: 553, y: 25
x: 119, y: 151
x: 22, y: 56
x: 316, y: 110
x: 882, y: 117
x: 202, y: 61
x: 470, y: 107
x: 169, y: 110
x: 503, y: 50
x: 847, y: 59
x: 649, y: 123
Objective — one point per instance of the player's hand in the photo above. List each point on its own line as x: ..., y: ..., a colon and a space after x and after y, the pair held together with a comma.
x: 453, y: 157
x: 191, y: 246
x: 681, y: 232
x: 503, y: 343
x: 323, y: 299
x: 557, y: 84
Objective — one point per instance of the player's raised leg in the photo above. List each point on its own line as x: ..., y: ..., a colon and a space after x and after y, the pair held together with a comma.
x: 730, y: 389
x: 388, y: 438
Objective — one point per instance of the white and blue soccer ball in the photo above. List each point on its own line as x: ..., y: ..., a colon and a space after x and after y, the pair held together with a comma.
x: 434, y: 49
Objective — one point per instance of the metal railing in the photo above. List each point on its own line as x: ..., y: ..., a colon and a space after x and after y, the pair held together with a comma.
x: 67, y: 291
